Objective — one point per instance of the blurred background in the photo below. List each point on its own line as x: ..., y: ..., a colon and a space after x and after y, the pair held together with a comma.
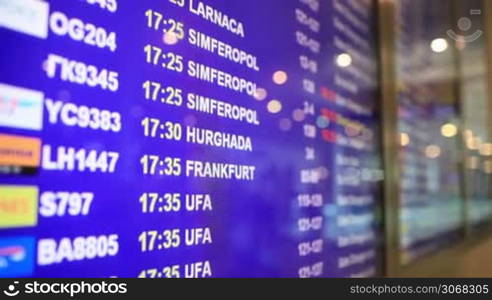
x: 436, y: 105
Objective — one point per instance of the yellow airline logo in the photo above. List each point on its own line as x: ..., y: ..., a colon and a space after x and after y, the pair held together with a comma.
x: 19, y: 151
x: 18, y: 206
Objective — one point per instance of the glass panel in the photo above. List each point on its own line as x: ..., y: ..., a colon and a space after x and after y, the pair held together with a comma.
x: 471, y: 42
x: 431, y: 214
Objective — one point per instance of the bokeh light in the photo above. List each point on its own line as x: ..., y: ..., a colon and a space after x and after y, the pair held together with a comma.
x: 449, y: 130
x: 280, y: 77
x: 404, y: 139
x: 433, y: 151
x: 260, y: 94
x: 274, y: 106
x: 170, y: 38
x: 439, y: 45
x: 344, y: 60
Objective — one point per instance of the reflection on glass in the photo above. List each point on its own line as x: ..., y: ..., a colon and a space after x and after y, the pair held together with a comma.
x: 431, y: 206
x: 476, y: 116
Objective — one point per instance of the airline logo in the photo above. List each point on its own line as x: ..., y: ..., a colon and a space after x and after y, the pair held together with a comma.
x: 19, y: 151
x: 18, y: 206
x: 25, y: 16
x: 16, y: 256
x: 21, y: 108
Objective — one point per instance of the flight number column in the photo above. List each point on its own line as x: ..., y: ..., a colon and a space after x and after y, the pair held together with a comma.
x: 311, y: 201
x: 77, y: 204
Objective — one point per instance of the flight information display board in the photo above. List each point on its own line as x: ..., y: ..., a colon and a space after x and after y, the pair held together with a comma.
x: 186, y: 138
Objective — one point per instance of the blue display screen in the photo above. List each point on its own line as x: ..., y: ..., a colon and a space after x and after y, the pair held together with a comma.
x: 184, y: 138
